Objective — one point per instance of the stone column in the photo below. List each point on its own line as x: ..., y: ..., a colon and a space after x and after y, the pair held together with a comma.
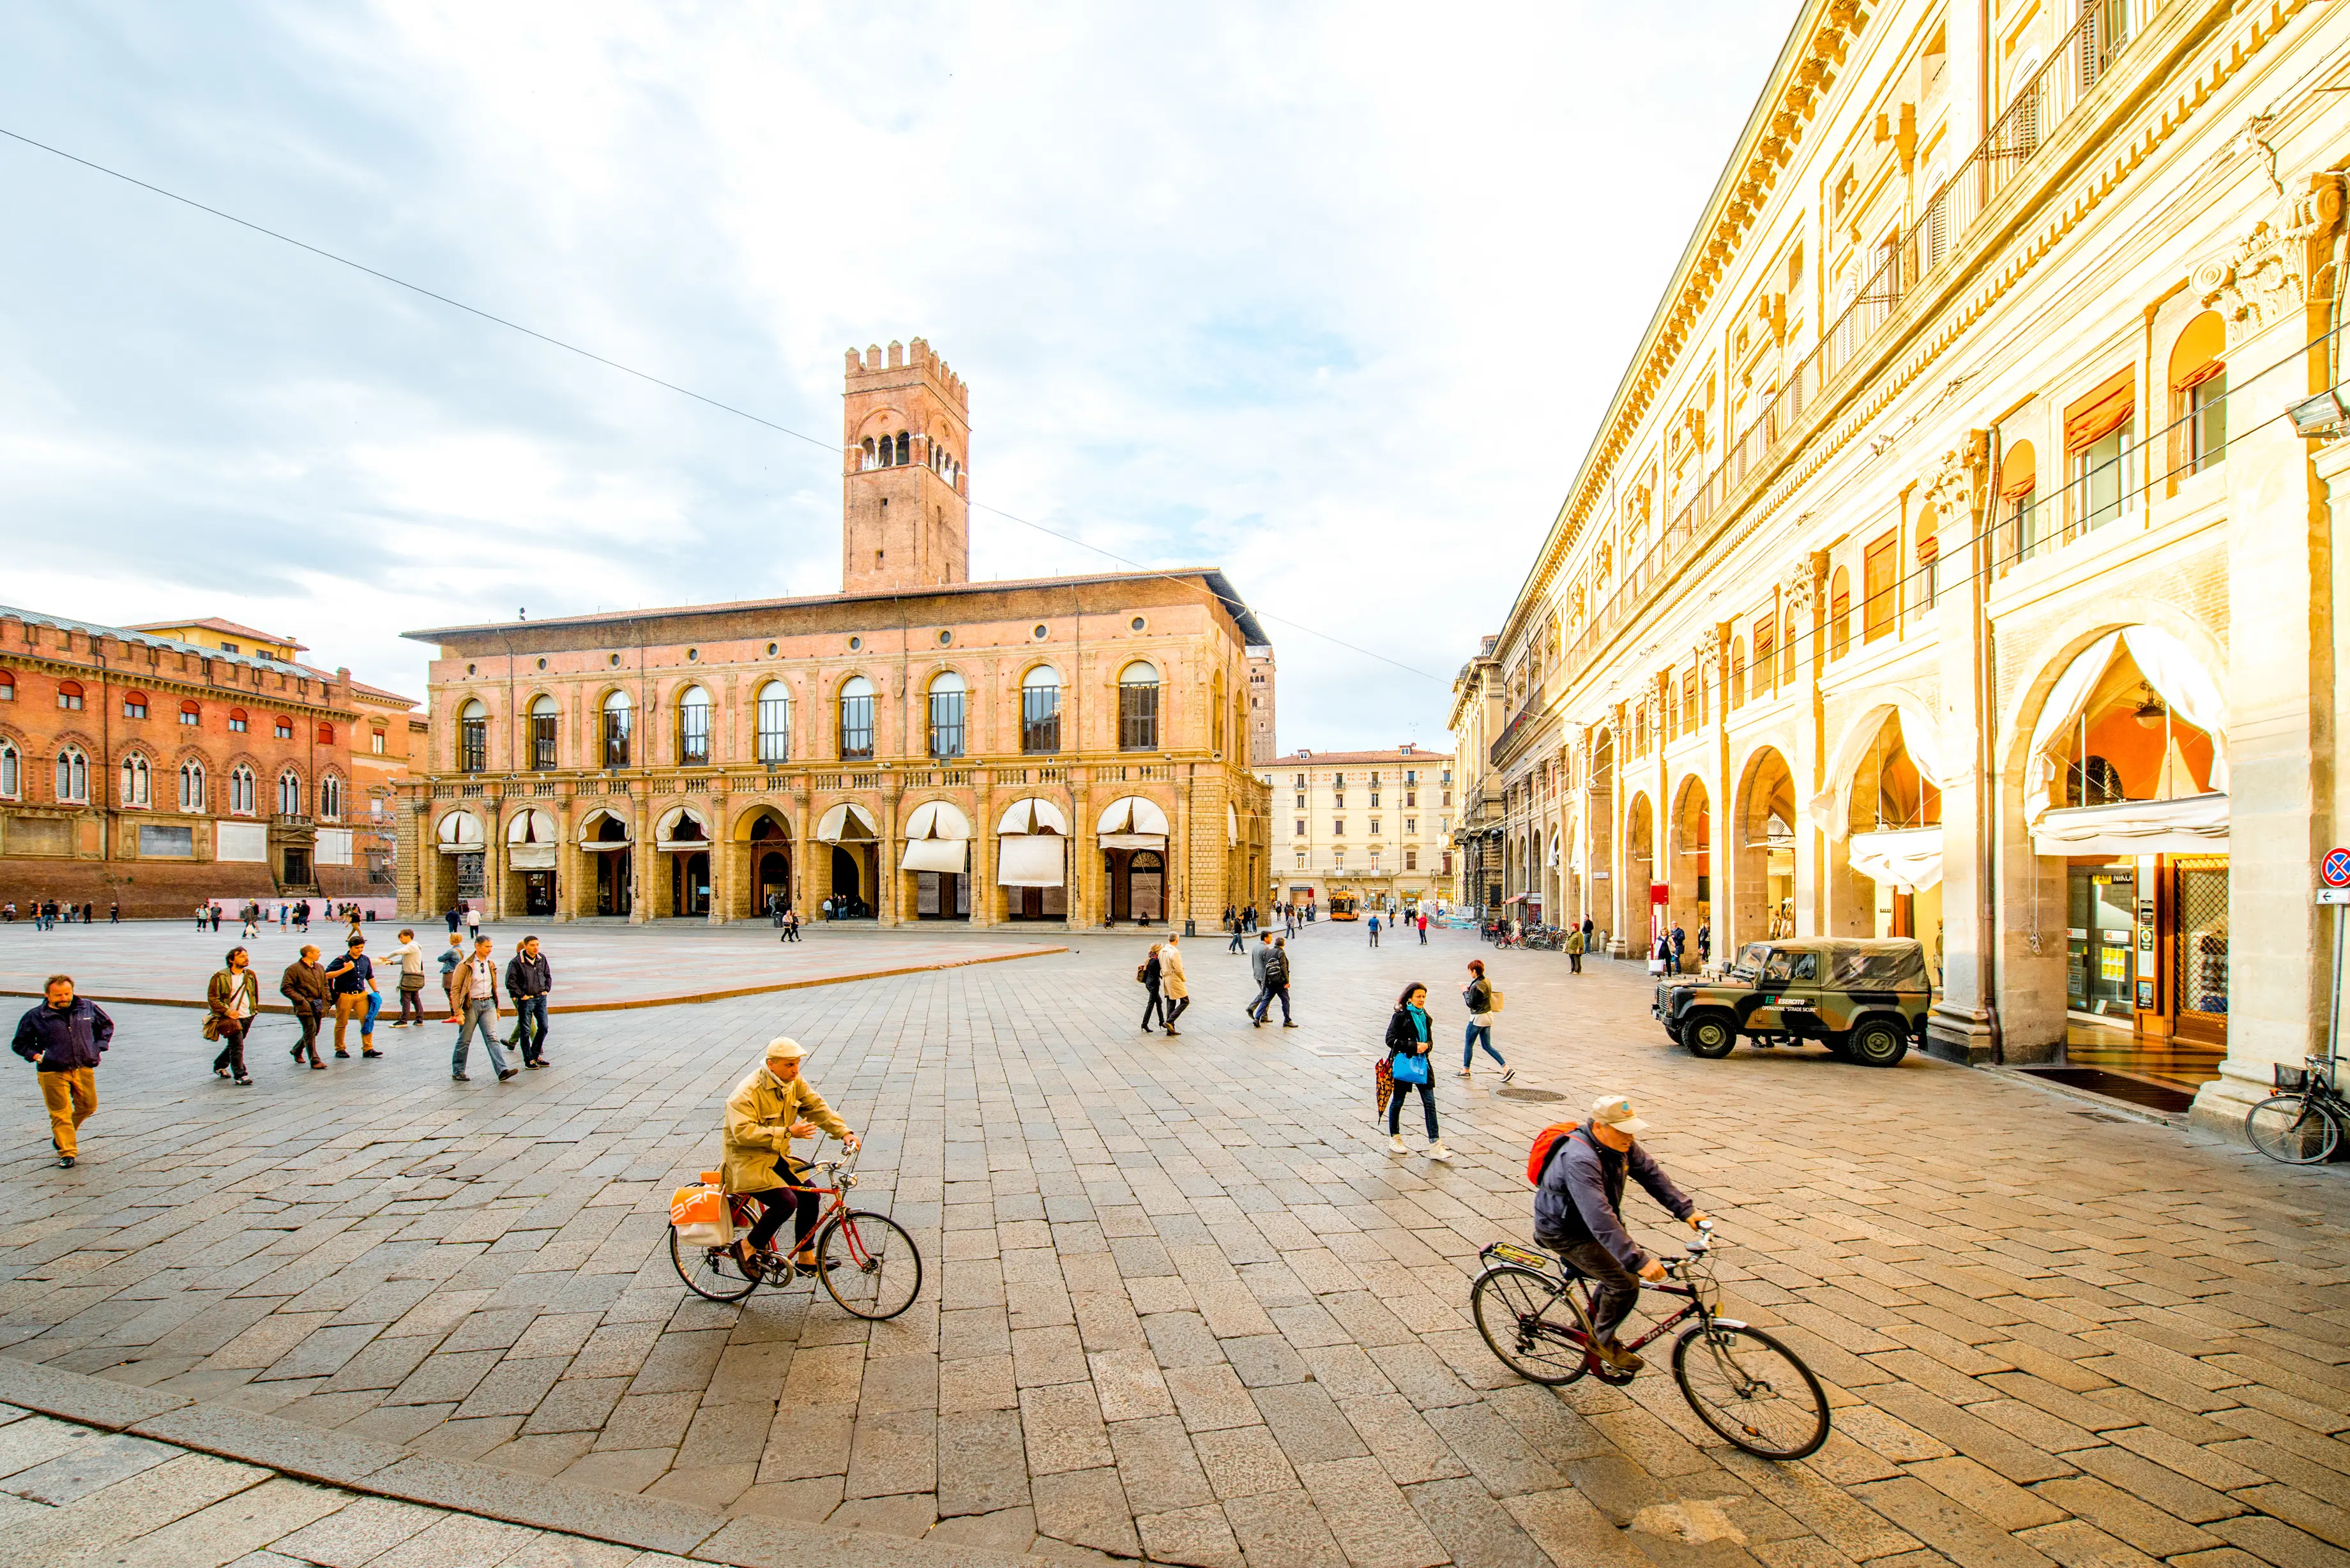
x: 494, y: 858
x: 1960, y: 1027
x: 1799, y: 601
x: 885, y: 856
x: 568, y: 858
x: 982, y: 870
x: 726, y: 874
x: 1085, y: 859
x: 806, y: 898
x: 641, y: 854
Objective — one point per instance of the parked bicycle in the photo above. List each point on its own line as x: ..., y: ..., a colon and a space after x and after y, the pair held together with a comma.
x: 868, y: 1262
x: 1751, y: 1389
x: 2301, y: 1123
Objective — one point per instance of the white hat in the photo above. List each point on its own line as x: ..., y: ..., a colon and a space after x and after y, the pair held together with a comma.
x: 1616, y: 1111
x: 784, y: 1048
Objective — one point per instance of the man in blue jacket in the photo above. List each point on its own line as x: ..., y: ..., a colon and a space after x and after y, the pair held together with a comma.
x: 1579, y: 1214
x: 64, y: 1037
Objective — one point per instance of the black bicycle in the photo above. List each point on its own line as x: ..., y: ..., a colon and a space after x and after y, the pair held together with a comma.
x: 2301, y: 1124
x: 1752, y: 1390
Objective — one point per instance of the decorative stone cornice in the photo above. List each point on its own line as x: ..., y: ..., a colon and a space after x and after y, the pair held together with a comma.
x: 1958, y: 479
x: 2264, y: 277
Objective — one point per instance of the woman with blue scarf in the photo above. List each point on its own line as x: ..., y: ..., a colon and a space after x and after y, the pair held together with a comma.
x: 1407, y: 1059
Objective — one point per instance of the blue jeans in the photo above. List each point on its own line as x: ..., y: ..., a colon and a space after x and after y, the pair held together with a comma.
x: 530, y: 1022
x: 367, y: 1024
x: 1479, y: 1034
x: 481, y: 1015
x: 1261, y: 1009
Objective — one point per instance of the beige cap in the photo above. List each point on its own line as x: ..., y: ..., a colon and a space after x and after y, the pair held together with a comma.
x: 784, y: 1048
x: 1616, y: 1111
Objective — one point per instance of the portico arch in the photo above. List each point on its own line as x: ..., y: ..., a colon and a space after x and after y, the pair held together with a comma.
x: 1639, y: 912
x: 1691, y: 870
x: 1599, y: 890
x: 604, y: 837
x: 1763, y: 852
x: 763, y: 841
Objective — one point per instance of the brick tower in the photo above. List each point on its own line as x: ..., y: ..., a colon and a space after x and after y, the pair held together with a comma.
x: 905, y: 496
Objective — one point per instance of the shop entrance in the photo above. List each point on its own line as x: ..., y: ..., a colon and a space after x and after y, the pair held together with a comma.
x: 774, y: 882
x: 1138, y: 885
x: 689, y: 882
x: 538, y: 892
x: 941, y: 896
x: 614, y: 892
x: 848, y: 885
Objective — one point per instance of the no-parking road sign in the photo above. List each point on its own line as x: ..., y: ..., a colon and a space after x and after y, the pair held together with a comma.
x: 2335, y: 871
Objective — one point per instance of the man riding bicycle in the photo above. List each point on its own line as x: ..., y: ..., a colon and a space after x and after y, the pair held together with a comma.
x: 768, y: 1109
x: 1578, y: 1214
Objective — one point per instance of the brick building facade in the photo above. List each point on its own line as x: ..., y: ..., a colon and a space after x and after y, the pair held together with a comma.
x: 1068, y: 750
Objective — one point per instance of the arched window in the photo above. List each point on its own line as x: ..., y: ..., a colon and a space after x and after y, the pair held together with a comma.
x: 617, y: 717
x: 774, y: 733
x: 192, y: 712
x: 241, y: 791
x: 947, y: 691
x: 135, y: 791
x: 325, y: 735
x: 134, y: 704
x: 856, y: 718
x: 73, y: 775
x: 905, y: 447
x: 289, y: 794
x: 472, y: 738
x: 693, y: 727
x: 1737, y: 674
x: 2199, y: 393
x: 543, y: 712
x: 69, y: 694
x: 1040, y: 712
x: 2019, y: 481
x: 191, y: 785
x: 1137, y: 707
x: 238, y: 721
x: 7, y: 686
x: 331, y: 798
x: 1839, y: 613
x: 12, y: 772
x: 282, y: 728
x: 871, y: 462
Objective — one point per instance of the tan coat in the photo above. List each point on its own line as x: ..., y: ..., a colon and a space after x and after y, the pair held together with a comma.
x: 1170, y: 971
x: 759, y: 1117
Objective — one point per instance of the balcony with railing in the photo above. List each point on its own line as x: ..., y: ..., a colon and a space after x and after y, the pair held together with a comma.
x: 1916, y: 254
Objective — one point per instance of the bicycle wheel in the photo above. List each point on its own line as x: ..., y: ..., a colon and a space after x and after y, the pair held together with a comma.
x: 2293, y: 1129
x: 1752, y: 1390
x: 869, y: 1264
x: 709, y: 1272
x: 1510, y: 1304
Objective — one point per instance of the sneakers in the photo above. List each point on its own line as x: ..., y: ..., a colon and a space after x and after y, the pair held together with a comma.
x: 533, y: 1066
x: 65, y: 1162
x: 1616, y: 1358
x: 1462, y: 1074
x: 1437, y: 1151
x: 1508, y: 1074
x: 1395, y: 1143
x: 1286, y: 1024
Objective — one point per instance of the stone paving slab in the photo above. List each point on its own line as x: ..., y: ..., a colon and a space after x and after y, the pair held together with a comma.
x: 599, y: 967
x: 1181, y: 1301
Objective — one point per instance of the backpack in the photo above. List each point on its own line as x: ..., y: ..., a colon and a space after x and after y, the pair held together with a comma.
x: 1276, y: 974
x: 1546, y: 1143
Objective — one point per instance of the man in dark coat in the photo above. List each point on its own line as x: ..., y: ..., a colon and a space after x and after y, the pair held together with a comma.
x: 1578, y: 1214
x: 64, y: 1037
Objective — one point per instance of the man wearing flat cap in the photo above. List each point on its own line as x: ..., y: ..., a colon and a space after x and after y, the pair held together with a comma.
x: 768, y: 1109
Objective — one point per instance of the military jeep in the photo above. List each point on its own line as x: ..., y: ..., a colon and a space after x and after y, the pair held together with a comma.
x: 1864, y: 998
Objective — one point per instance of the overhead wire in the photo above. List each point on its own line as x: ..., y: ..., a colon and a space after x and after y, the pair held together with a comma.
x: 663, y: 382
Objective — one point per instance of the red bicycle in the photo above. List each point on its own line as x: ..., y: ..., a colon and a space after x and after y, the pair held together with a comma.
x: 868, y: 1262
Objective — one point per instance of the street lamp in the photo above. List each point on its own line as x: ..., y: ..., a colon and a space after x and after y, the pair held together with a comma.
x: 2321, y: 415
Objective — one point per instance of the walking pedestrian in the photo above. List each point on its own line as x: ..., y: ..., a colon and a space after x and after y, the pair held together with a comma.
x: 215, y: 914
x: 1375, y: 930
x: 1704, y: 943
x: 790, y: 924
x: 1408, y: 1060
x: 1239, y: 943
x: 230, y: 1002
x: 1170, y: 980
x: 408, y: 960
x: 352, y: 978
x: 1574, y: 949
x: 64, y: 1036
x: 302, y: 915
x: 1478, y: 994
x: 472, y: 922
x: 252, y: 931
x: 452, y: 958
x: 477, y: 990
x: 306, y: 985
x: 113, y: 912
x: 528, y: 980
x: 1275, y: 983
x: 203, y: 912
x: 456, y: 916
x: 1422, y: 923
x: 1259, y: 966
x: 1148, y: 973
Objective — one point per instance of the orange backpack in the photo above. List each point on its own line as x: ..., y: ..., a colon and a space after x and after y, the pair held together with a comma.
x: 1546, y: 1143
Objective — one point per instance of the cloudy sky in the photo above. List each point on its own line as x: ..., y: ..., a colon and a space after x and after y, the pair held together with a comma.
x: 1330, y: 295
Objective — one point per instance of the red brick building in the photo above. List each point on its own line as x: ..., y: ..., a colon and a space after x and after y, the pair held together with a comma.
x: 155, y: 773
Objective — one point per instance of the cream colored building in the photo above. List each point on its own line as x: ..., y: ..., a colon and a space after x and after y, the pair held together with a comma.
x: 1951, y: 559
x: 1371, y: 825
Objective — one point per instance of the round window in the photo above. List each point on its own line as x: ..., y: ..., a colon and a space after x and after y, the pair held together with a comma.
x: 855, y: 643
x: 1039, y: 633
x: 615, y: 662
x: 692, y: 655
x: 1137, y: 624
x: 469, y: 669
x: 542, y: 664
x: 770, y: 650
x: 945, y: 638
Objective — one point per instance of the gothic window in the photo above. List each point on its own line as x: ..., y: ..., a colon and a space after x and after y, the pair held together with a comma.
x: 774, y: 720
x: 73, y: 775
x: 856, y: 718
x: 619, y: 717
x: 241, y: 791
x: 947, y: 694
x: 543, y: 714
x: 1137, y: 707
x: 693, y: 727
x: 12, y: 772
x: 135, y: 780
x: 289, y: 794
x: 905, y: 447
x: 472, y: 738
x: 191, y: 785
x: 331, y: 798
x: 1040, y: 712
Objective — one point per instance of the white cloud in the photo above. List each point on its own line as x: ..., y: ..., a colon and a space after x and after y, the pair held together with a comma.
x: 1331, y: 296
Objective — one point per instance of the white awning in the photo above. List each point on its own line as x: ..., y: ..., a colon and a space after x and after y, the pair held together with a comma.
x: 593, y: 824
x: 848, y: 821
x: 1231, y: 826
x: 1907, y: 858
x: 1131, y: 813
x: 531, y: 856
x: 1029, y: 860
x: 2169, y: 667
x: 935, y: 855
x: 2192, y: 824
x: 1033, y: 816
x: 459, y: 832
x: 682, y: 827
x: 1132, y: 841
x: 937, y: 819
x: 530, y: 825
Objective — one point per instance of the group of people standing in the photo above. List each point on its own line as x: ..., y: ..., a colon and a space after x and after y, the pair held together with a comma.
x: 1672, y: 946
x: 47, y: 912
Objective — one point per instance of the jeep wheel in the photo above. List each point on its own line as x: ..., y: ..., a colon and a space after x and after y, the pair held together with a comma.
x: 1875, y: 1043
x: 1709, y: 1034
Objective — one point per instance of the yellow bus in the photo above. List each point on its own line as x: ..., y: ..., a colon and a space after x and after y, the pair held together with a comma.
x: 1342, y: 907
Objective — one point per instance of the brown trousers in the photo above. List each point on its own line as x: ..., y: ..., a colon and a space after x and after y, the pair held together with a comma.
x: 71, y: 1096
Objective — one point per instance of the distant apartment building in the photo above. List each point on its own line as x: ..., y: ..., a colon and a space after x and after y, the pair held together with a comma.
x: 1374, y: 826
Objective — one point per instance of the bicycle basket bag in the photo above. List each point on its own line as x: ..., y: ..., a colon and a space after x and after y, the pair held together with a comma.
x: 702, y: 1217
x: 1546, y: 1143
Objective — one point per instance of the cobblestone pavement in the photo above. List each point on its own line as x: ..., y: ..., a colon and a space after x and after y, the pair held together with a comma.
x: 1183, y: 1302
x: 595, y: 964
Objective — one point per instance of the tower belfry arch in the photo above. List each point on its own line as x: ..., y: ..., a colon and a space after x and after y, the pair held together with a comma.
x: 905, y: 488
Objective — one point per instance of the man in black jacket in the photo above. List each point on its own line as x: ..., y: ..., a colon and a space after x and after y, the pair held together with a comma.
x: 528, y: 980
x: 1578, y: 1214
x: 64, y: 1037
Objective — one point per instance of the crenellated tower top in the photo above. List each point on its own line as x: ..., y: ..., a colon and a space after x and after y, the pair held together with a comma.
x: 905, y: 504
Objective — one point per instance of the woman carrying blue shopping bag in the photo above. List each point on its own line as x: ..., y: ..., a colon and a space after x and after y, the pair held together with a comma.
x: 1407, y: 1059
